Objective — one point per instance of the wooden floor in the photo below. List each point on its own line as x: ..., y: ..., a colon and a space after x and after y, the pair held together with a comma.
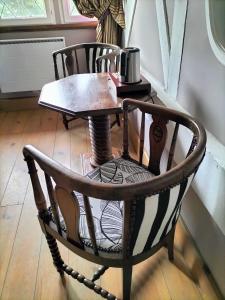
x: 26, y: 269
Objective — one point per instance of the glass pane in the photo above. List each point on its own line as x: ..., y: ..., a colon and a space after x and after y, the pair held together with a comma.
x: 17, y: 9
x: 218, y: 17
x: 72, y: 9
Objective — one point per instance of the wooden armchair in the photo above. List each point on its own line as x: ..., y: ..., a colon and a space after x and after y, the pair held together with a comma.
x: 122, y: 212
x: 85, y: 58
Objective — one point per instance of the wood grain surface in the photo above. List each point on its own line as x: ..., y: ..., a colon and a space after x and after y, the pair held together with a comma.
x: 82, y: 95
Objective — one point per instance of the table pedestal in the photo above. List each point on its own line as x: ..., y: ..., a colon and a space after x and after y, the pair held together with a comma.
x: 99, y: 128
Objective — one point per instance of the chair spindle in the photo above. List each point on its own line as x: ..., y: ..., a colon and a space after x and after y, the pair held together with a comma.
x: 125, y: 135
x: 55, y: 67
x: 100, y: 54
x: 77, y: 64
x: 127, y: 230
x: 70, y: 63
x: 54, y: 205
x: 94, y: 60
x: 87, y: 53
x: 63, y: 65
x: 106, y: 61
x: 172, y: 147
x: 192, y: 146
x: 142, y: 138
x: 90, y: 224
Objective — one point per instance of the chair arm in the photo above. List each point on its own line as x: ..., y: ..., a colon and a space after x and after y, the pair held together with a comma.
x: 73, y: 181
x: 50, y: 166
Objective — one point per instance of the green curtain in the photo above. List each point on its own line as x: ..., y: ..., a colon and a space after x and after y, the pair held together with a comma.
x: 110, y: 15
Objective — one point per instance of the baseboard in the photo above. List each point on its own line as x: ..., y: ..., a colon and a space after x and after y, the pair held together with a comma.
x: 19, y: 104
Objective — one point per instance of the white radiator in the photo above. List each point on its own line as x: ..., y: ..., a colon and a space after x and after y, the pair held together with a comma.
x: 26, y: 64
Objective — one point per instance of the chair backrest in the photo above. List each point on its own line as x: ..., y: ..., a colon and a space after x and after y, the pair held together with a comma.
x: 156, y: 213
x: 150, y: 208
x: 70, y: 60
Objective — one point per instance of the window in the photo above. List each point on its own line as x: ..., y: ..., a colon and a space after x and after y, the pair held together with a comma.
x: 27, y: 12
x: 71, y: 14
x: 72, y: 8
x: 22, y: 12
x: 22, y: 9
x: 215, y: 13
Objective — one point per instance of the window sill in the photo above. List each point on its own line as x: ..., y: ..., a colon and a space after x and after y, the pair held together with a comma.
x: 46, y: 27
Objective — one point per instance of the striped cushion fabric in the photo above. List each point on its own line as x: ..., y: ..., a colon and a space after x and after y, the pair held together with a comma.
x: 153, y: 217
x: 92, y: 54
x: 156, y: 215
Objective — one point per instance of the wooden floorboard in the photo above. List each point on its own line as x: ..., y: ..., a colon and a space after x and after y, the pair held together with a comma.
x: 14, y: 122
x: 11, y: 141
x: 49, y: 284
x: 23, y: 266
x: 148, y: 279
x: 18, y: 180
x: 21, y: 275
x: 9, y: 219
x: 26, y: 269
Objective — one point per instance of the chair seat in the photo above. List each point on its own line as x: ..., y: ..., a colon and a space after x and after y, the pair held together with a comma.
x: 108, y: 215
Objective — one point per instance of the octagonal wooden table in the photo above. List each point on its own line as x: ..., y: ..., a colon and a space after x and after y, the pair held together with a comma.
x: 93, y: 95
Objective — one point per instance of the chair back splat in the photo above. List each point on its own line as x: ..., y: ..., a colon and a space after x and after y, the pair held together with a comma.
x: 122, y: 212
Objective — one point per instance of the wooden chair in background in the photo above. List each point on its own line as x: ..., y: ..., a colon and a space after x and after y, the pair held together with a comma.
x: 85, y: 58
x: 122, y: 212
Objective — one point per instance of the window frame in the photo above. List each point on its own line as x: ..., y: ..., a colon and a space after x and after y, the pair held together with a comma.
x: 216, y: 45
x: 57, y: 18
x: 67, y: 18
x: 50, y: 17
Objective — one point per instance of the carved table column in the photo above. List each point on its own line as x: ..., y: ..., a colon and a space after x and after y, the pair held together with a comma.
x: 99, y: 128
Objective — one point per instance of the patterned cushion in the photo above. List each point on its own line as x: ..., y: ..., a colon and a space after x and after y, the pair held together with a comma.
x: 152, y: 216
x: 108, y: 215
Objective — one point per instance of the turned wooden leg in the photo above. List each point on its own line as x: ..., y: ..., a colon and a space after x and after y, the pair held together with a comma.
x: 100, y: 135
x: 57, y: 260
x: 127, y: 279
x: 101, y: 270
x: 170, y: 244
x: 88, y: 283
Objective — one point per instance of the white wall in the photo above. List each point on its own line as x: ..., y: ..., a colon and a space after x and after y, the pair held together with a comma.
x: 202, y: 76
x: 195, y: 83
x: 150, y: 54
